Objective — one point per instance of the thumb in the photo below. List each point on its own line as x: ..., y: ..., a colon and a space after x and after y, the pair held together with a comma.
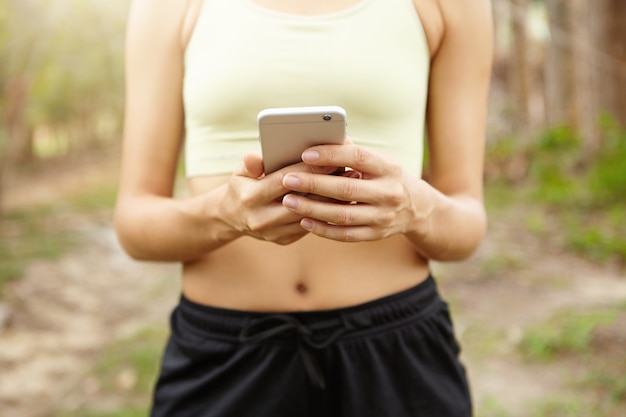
x: 252, y: 165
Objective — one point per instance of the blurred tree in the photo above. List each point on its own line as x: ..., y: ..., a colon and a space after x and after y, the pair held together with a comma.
x: 520, y: 66
x: 14, y: 132
x: 608, y: 31
x: 61, y: 72
x: 561, y: 91
x: 586, y: 66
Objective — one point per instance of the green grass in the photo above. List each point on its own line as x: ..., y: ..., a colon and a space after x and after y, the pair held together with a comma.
x: 137, y: 357
x: 600, y: 234
x: 483, y: 342
x: 491, y: 407
x: 584, y: 405
x: 562, y: 407
x: 30, y: 235
x: 563, y: 189
x: 93, y: 199
x: 592, y: 346
x: 45, y: 232
x: 126, y: 372
x: 566, y: 333
x: 129, y: 412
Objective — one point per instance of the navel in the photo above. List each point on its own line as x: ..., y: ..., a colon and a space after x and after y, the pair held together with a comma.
x: 302, y: 288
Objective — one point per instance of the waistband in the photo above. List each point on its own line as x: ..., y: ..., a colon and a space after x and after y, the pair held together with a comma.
x: 309, y: 330
x: 410, y: 304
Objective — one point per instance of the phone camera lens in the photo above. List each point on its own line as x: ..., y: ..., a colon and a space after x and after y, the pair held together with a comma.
x: 327, y: 117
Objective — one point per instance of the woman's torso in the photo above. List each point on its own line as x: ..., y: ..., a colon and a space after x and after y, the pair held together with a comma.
x: 312, y: 273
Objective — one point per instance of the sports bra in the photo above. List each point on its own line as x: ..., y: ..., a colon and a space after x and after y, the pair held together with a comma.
x: 372, y: 59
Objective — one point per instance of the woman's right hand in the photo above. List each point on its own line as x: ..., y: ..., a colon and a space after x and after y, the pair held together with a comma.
x: 253, y: 202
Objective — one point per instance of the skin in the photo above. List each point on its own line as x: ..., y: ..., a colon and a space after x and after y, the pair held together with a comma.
x: 243, y: 240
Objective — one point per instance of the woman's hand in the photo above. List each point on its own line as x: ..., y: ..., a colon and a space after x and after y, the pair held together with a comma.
x: 253, y: 201
x: 384, y: 200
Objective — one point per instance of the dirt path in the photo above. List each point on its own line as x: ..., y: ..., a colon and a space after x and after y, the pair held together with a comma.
x: 61, y: 316
x: 63, y: 313
x: 517, y: 279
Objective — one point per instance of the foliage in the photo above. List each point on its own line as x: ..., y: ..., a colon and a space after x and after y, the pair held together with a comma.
x: 601, y: 236
x: 127, y: 370
x: 566, y: 333
x: 46, y: 231
x: 64, y: 61
x: 593, y: 343
x: 560, y: 173
x: 582, y: 196
x: 554, y: 159
x: 607, y: 176
x: 128, y: 412
x: 137, y: 356
x: 491, y: 407
x: 28, y: 235
x: 558, y: 407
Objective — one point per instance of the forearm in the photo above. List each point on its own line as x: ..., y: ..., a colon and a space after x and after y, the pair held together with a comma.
x: 157, y: 228
x: 451, y: 229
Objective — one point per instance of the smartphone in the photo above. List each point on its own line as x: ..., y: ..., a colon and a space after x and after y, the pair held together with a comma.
x: 286, y: 132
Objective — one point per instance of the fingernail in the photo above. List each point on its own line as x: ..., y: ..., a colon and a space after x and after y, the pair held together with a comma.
x: 354, y: 174
x: 307, y: 224
x: 290, y: 201
x: 310, y: 156
x: 291, y: 182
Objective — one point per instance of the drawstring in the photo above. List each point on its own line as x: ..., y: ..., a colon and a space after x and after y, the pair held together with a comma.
x: 250, y: 334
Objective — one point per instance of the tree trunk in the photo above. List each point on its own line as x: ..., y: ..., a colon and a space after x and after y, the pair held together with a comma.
x: 19, y: 140
x: 608, y: 31
x: 17, y: 149
x: 560, y: 77
x: 583, y: 57
x: 586, y: 66
x: 520, y: 68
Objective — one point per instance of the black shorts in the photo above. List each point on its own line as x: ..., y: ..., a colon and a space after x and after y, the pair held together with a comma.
x: 396, y: 356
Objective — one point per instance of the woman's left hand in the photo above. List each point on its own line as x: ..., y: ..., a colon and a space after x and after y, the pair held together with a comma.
x: 383, y: 199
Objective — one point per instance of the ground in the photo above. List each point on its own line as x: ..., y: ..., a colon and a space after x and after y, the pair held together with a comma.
x: 56, y: 322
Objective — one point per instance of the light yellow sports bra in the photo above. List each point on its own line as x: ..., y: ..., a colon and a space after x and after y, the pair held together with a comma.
x: 372, y: 59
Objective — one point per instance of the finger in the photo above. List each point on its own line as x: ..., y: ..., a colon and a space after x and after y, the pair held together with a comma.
x: 272, y: 216
x: 273, y: 182
x: 316, y: 197
x: 252, y: 166
x: 350, y: 173
x: 283, y: 235
x: 274, y: 224
x: 338, y: 214
x: 356, y: 157
x: 338, y: 233
x: 335, y: 187
x: 275, y: 179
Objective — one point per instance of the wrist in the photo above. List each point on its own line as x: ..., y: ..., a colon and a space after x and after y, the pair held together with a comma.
x: 450, y: 227
x: 423, y: 203
x: 224, y: 215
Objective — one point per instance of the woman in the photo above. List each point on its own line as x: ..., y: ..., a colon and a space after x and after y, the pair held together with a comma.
x: 294, y: 302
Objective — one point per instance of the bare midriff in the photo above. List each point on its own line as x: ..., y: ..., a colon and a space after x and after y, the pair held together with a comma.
x: 311, y: 274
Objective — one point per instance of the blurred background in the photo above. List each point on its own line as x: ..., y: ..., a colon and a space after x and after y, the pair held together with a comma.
x: 540, y: 308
